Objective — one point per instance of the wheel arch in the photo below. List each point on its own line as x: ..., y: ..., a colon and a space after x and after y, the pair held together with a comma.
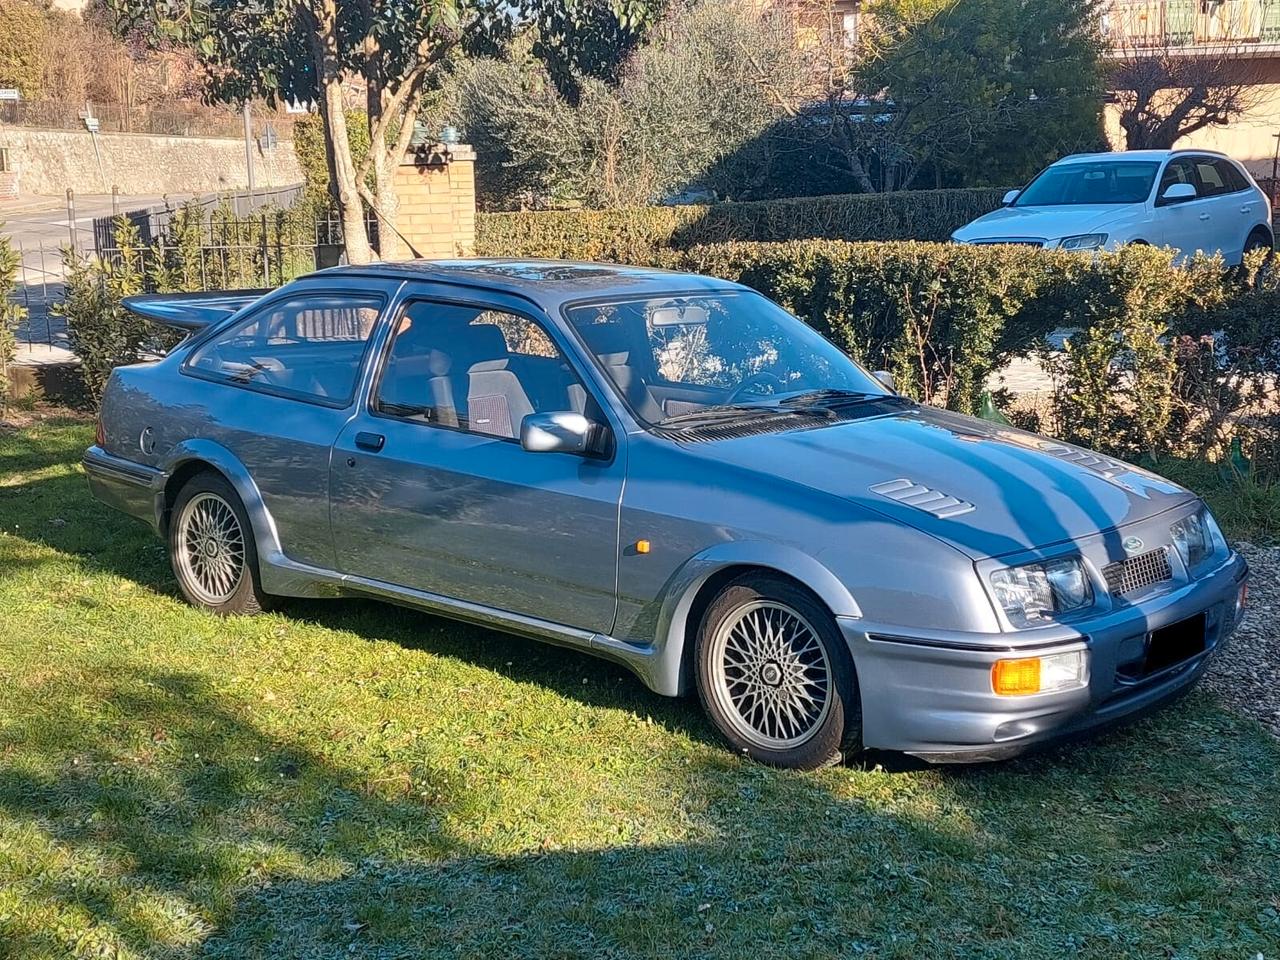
x: 702, y: 577
x: 196, y: 456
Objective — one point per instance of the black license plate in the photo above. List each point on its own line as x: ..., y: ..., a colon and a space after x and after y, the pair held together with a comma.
x: 1175, y: 643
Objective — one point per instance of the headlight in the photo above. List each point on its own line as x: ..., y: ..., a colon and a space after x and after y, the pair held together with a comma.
x: 1197, y: 538
x: 1086, y: 241
x: 1035, y: 594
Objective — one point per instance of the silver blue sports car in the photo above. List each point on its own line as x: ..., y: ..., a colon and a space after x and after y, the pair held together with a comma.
x: 672, y: 472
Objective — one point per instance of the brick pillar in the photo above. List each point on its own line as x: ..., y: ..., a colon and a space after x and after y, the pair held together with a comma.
x: 436, y: 186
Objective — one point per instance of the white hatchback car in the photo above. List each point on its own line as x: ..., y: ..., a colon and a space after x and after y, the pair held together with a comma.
x: 1191, y: 200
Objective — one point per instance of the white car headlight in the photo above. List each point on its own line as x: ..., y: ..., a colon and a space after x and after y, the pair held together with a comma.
x: 1196, y: 538
x: 1035, y: 594
x: 1086, y: 241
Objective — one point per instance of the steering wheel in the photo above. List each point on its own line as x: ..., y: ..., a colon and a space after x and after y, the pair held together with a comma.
x: 763, y: 378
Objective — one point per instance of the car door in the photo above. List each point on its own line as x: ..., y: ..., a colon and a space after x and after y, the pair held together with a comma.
x: 1185, y: 225
x: 275, y: 388
x: 1244, y: 205
x: 1226, y: 224
x: 431, y: 489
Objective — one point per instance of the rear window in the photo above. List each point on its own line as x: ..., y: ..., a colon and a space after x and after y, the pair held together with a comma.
x: 310, y: 347
x: 1103, y: 181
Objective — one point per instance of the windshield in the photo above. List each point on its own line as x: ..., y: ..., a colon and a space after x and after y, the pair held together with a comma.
x: 1101, y: 181
x: 677, y: 359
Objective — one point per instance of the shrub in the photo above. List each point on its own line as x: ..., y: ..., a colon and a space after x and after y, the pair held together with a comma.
x: 642, y: 234
x: 11, y: 315
x: 940, y: 317
x: 102, y: 333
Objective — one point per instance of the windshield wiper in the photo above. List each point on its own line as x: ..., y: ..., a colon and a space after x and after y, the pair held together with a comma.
x: 716, y: 414
x: 832, y: 396
x: 730, y: 412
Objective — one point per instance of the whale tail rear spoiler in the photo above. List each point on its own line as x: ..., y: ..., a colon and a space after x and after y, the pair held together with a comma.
x: 191, y: 311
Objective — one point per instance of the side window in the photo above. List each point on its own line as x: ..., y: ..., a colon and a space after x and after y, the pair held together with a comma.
x: 1178, y: 171
x: 1213, y: 182
x: 1231, y: 173
x: 473, y: 369
x: 309, y: 346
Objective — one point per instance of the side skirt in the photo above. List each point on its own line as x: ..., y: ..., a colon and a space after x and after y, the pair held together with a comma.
x: 285, y: 577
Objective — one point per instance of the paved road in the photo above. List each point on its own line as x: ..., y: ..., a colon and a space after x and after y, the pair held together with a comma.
x: 41, y: 228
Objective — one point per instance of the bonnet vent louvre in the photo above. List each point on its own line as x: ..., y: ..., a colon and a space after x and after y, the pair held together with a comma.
x: 1105, y: 466
x: 917, y: 495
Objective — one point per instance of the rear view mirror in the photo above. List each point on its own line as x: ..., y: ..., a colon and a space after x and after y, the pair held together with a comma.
x: 885, y: 378
x: 1011, y: 196
x: 679, y: 316
x: 1177, y: 192
x: 560, y: 432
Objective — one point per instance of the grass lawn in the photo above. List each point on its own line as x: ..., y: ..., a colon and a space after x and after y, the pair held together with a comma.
x: 352, y: 779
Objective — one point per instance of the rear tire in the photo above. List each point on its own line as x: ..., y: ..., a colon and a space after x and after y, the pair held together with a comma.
x: 212, y: 549
x: 1259, y: 239
x: 775, y: 675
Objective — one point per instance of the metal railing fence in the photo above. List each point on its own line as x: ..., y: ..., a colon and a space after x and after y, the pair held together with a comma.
x: 1179, y: 23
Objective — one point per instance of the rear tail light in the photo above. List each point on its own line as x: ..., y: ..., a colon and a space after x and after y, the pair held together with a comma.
x: 100, y: 433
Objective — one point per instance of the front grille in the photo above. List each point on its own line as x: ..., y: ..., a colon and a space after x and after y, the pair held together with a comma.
x: 1138, y: 573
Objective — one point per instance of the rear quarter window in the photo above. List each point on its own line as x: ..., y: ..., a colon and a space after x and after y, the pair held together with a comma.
x: 310, y: 347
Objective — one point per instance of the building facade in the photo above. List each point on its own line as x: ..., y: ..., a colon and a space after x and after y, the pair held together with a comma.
x: 1240, y: 37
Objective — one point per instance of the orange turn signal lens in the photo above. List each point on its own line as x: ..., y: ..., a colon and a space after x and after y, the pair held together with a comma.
x: 643, y: 546
x: 1016, y: 678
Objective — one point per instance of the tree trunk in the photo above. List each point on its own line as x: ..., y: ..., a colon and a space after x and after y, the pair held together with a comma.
x: 390, y: 246
x: 350, y: 209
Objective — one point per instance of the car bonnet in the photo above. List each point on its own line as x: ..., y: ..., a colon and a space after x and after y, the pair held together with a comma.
x: 986, y: 489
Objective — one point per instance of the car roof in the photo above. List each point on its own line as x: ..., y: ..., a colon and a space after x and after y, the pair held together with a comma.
x: 1125, y: 155
x: 549, y: 283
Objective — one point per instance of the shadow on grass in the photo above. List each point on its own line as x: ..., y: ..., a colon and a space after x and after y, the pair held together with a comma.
x: 161, y: 818
x: 154, y: 811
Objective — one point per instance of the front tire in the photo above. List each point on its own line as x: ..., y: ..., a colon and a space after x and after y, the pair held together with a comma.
x: 212, y: 550
x: 775, y: 676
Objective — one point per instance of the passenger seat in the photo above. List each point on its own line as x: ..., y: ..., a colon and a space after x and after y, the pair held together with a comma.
x: 496, y: 400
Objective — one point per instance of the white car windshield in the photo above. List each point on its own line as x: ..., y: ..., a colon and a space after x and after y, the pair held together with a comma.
x: 1101, y: 181
x: 675, y: 357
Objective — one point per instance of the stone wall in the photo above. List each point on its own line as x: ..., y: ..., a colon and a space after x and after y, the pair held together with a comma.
x: 47, y: 162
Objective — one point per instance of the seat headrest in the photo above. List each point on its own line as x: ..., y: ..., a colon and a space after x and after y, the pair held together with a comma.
x: 480, y: 342
x: 608, y: 341
x: 489, y: 366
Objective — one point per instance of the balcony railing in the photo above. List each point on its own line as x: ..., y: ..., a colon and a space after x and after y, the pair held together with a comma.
x: 1189, y: 23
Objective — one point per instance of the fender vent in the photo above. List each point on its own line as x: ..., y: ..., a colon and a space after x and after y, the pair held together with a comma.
x: 1105, y: 466
x: 922, y: 498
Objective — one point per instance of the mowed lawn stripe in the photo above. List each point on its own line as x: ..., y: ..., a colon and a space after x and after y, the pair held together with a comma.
x: 350, y: 778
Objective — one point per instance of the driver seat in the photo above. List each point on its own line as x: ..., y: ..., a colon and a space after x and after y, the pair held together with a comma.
x: 609, y: 342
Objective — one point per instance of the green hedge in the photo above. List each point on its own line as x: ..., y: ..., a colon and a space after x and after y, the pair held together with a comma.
x: 1167, y: 360
x: 641, y: 234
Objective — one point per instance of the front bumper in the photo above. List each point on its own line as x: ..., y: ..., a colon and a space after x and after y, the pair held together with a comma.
x: 931, y: 696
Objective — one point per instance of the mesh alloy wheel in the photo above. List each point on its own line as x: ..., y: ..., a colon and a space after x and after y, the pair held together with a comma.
x: 211, y: 554
x: 770, y: 674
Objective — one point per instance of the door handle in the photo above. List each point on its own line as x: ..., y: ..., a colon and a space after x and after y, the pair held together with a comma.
x: 1246, y: 209
x: 1204, y: 216
x: 370, y: 441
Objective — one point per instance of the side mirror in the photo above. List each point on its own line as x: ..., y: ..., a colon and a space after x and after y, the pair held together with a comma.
x: 1011, y: 196
x: 1178, y: 192
x: 560, y: 432
x: 886, y: 379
